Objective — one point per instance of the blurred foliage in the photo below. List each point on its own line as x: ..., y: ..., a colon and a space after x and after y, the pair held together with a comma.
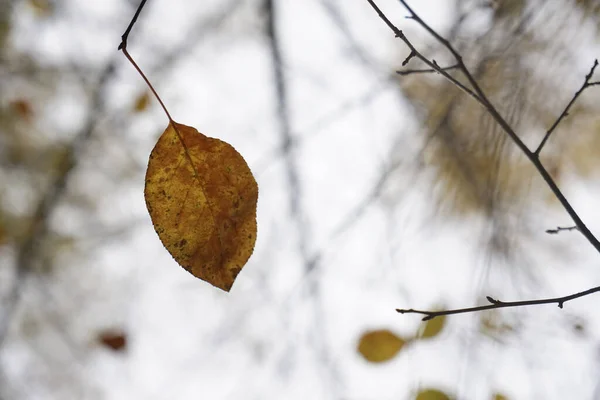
x: 380, y: 345
x: 494, y: 325
x: 50, y: 111
x: 43, y: 8
x: 142, y: 102
x: 432, y: 394
x: 433, y: 327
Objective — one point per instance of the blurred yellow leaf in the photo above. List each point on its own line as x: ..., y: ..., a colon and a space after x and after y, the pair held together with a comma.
x: 498, y: 396
x: 432, y: 394
x: 142, y: 102
x: 380, y: 345
x: 201, y: 196
x: 434, y: 326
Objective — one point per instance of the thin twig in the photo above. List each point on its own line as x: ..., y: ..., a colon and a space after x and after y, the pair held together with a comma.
x: 425, y: 71
x: 123, y: 44
x: 399, y: 34
x: 500, y: 304
x: 124, y: 49
x: 559, y: 229
x: 565, y: 113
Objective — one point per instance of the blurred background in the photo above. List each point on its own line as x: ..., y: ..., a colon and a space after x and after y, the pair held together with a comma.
x: 377, y: 191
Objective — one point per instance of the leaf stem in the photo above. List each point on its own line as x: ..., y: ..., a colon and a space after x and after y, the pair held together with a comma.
x: 123, y: 47
x: 148, y: 83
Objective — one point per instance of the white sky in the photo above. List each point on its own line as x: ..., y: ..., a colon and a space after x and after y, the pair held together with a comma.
x: 275, y: 336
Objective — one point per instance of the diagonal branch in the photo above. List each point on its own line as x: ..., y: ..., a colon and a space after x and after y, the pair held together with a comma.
x: 477, y: 93
x: 414, y: 53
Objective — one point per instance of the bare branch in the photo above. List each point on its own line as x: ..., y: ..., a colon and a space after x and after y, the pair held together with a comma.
x: 565, y: 113
x: 559, y: 229
x: 123, y: 44
x: 424, y: 71
x: 500, y: 304
x: 399, y: 34
x: 478, y: 94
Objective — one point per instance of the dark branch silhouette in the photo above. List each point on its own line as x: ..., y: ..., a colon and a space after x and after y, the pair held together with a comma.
x: 500, y: 304
x: 477, y: 94
x: 559, y: 229
x: 424, y: 71
x: 123, y: 44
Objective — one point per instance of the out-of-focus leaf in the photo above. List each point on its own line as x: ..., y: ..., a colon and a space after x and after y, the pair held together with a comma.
x: 380, y: 345
x: 434, y: 326
x: 142, y: 102
x: 492, y: 325
x: 499, y: 396
x: 113, y: 339
x: 22, y: 108
x: 432, y: 394
x: 202, y: 196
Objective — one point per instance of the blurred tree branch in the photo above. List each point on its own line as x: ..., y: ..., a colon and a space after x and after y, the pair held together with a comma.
x: 27, y: 251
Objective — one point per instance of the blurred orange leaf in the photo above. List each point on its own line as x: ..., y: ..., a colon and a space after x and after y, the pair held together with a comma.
x: 380, y: 345
x: 432, y: 394
x: 22, y: 108
x: 202, y: 196
x: 114, y: 340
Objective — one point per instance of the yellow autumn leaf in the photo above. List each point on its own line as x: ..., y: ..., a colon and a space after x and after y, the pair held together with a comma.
x: 433, y: 327
x: 202, y: 196
x: 432, y: 394
x: 141, y: 102
x: 499, y: 396
x: 380, y: 345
